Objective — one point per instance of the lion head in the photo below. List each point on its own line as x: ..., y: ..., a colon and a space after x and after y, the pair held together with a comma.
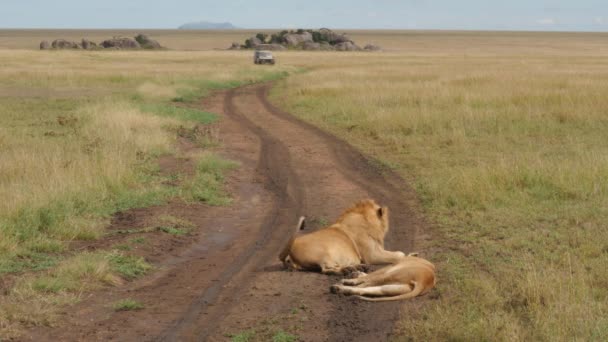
x: 374, y: 217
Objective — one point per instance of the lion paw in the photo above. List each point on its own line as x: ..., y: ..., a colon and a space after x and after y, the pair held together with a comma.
x: 334, y: 288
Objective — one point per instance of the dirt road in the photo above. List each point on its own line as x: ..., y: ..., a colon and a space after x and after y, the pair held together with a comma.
x: 229, y: 280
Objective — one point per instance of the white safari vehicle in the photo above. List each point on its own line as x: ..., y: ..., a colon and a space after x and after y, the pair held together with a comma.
x: 263, y: 57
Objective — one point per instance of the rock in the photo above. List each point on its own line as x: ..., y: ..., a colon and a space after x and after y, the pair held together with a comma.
x: 295, y: 39
x: 271, y: 47
x: 347, y: 46
x: 147, y: 43
x: 325, y: 46
x: 88, y: 45
x: 311, y: 46
x: 64, y: 44
x: 120, y: 43
x: 235, y: 46
x: 333, y: 37
x: 372, y: 47
x: 44, y: 45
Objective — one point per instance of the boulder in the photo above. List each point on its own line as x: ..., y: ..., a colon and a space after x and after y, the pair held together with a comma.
x: 325, y: 46
x: 64, y: 44
x: 120, y: 43
x: 88, y: 45
x: 372, y: 47
x: 147, y: 43
x: 235, y: 46
x: 347, y: 46
x: 311, y: 46
x: 270, y: 47
x: 295, y: 39
x: 44, y: 45
x: 334, y: 37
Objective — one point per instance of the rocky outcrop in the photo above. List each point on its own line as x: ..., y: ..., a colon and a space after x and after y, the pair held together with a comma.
x: 121, y: 43
x: 141, y: 41
x: 309, y: 40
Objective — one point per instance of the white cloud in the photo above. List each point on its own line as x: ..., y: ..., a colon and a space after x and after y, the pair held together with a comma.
x: 546, y: 21
x: 372, y: 14
x: 600, y: 20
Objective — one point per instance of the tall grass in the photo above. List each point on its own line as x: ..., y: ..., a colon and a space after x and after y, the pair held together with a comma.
x: 510, y: 159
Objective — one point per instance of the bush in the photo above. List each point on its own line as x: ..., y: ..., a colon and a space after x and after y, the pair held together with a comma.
x: 261, y: 36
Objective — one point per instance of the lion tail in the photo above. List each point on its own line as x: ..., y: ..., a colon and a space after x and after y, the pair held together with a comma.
x: 287, y: 248
x: 418, y: 288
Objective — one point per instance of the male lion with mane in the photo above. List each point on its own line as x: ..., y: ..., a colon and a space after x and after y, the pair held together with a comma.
x: 356, y: 238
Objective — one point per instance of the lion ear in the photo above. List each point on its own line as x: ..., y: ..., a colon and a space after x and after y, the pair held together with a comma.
x: 380, y: 212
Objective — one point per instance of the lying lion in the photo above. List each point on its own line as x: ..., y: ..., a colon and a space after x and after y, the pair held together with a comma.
x: 409, y: 278
x: 356, y: 238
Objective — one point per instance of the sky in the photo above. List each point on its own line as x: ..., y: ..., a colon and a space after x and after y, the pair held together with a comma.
x: 535, y: 15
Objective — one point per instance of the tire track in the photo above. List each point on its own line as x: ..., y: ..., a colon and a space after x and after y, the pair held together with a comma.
x: 289, y: 203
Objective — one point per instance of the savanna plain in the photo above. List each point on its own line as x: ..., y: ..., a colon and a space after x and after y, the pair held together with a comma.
x: 503, y: 136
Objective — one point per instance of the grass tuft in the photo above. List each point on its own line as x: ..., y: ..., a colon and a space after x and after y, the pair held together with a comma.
x: 127, y: 305
x: 282, y: 336
x: 244, y: 336
x: 127, y: 266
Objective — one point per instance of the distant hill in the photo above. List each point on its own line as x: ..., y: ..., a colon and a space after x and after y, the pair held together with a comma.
x: 206, y: 25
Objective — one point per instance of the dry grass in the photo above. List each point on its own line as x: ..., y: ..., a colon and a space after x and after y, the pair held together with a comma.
x: 509, y: 157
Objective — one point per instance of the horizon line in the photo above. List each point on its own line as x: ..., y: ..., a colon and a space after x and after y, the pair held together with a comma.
x: 305, y: 28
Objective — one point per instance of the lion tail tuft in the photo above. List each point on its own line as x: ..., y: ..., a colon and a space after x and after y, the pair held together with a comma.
x: 287, y: 248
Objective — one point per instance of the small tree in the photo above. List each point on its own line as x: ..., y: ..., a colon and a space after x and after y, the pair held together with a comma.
x: 262, y: 36
x: 319, y: 37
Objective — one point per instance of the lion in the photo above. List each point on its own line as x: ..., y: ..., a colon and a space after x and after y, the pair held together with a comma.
x: 356, y: 239
x: 409, y: 278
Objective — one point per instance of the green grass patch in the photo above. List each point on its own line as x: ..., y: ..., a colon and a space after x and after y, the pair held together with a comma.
x: 28, y: 261
x: 173, y: 230
x: 282, y: 336
x: 207, y: 184
x: 123, y: 247
x: 128, y: 266
x: 42, y: 231
x: 127, y: 305
x: 138, y: 240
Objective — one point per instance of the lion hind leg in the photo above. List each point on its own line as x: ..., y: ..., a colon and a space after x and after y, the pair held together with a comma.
x: 379, y: 291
